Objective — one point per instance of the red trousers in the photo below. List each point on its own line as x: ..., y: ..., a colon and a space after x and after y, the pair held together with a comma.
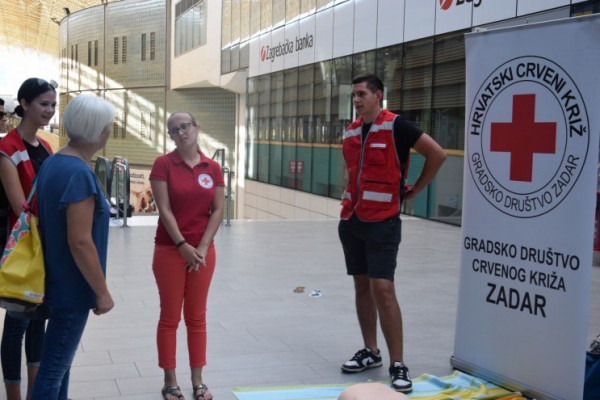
x: 179, y: 289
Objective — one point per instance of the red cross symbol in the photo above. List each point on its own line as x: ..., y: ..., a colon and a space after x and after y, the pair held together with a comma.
x: 523, y: 137
x: 205, y: 181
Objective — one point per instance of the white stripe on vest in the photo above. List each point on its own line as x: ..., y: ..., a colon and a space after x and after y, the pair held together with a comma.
x: 19, y: 156
x: 376, y: 196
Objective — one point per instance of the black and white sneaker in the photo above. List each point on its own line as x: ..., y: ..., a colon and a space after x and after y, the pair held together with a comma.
x: 362, y: 360
x: 400, y: 379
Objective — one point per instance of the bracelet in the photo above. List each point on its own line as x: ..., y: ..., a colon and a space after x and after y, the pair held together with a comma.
x: 179, y: 244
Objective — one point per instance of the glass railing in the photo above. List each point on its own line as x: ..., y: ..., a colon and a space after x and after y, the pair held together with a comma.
x: 219, y: 156
x: 114, y: 178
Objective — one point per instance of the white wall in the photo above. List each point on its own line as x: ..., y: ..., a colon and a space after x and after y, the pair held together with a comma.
x: 359, y: 25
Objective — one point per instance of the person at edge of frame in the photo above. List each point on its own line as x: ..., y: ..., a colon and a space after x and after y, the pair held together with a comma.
x: 22, y: 152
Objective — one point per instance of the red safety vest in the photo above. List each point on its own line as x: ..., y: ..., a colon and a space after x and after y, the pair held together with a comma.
x: 12, y: 146
x: 374, y: 175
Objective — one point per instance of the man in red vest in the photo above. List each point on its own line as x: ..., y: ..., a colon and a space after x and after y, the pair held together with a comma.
x: 376, y: 148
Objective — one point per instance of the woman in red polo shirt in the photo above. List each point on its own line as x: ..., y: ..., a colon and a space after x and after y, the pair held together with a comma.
x: 188, y: 189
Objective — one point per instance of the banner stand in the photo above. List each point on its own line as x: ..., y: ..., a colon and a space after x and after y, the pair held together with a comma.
x: 532, y: 134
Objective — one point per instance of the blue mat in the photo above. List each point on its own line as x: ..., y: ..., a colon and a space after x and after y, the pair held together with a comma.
x: 426, y: 387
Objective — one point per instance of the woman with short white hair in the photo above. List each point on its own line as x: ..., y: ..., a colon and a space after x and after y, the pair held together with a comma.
x: 74, y: 219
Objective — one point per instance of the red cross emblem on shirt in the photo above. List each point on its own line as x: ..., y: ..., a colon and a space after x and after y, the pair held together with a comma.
x: 523, y: 137
x: 205, y: 181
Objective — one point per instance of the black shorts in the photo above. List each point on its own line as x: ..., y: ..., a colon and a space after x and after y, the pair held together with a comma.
x: 370, y: 247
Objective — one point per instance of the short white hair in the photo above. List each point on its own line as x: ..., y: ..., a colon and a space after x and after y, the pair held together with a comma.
x: 86, y: 117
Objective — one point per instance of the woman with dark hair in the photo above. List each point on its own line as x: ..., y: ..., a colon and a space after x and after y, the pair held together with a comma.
x: 21, y: 155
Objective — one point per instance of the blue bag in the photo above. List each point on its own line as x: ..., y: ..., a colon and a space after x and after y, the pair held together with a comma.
x: 591, y: 388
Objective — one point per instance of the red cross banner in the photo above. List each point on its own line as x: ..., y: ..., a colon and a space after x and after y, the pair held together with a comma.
x: 532, y: 128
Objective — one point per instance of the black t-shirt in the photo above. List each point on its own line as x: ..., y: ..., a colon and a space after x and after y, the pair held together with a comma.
x: 37, y: 155
x: 406, y: 134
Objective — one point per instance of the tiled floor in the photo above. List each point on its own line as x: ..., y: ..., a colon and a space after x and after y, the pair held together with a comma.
x: 262, y: 333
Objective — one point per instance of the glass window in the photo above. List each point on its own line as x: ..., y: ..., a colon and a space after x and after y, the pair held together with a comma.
x: 389, y: 69
x: 190, y: 25
x: 322, y: 101
x: 244, y: 55
x: 364, y: 63
x: 341, y: 117
x: 320, y: 127
x: 307, y: 6
x: 199, y: 26
x: 341, y: 100
x: 189, y: 29
x: 292, y: 10
x: 278, y: 13
x: 225, y: 61
x: 290, y: 161
x: 323, y: 4
x: 585, y: 8
x: 177, y: 39
x: 264, y: 111
x: 291, y: 170
x: 417, y: 81
x: 235, y: 57
x: 448, y: 106
x: 152, y: 46
x: 143, y: 47
x: 266, y: 15
x: 244, y: 20
x: 255, y: 18
x: 124, y: 49
x: 305, y: 104
x: 275, y: 137
x: 290, y: 104
x: 235, y: 22
x: 115, y: 50
x: 252, y: 127
x: 226, y: 23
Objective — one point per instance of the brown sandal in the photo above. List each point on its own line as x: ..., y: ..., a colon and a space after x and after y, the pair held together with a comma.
x: 172, y: 391
x: 200, y: 392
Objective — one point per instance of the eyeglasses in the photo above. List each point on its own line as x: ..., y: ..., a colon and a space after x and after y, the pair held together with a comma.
x: 4, y: 115
x: 183, y: 127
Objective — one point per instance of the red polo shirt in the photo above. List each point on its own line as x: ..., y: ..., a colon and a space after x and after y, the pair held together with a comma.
x: 191, y: 193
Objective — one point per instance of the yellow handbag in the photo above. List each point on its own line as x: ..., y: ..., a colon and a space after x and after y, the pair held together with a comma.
x: 22, y: 272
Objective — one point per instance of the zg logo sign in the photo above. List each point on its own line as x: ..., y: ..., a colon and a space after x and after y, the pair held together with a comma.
x: 263, y: 53
x: 527, y: 136
x: 446, y: 4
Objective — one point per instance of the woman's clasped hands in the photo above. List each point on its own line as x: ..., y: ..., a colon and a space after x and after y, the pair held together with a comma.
x: 194, y: 257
